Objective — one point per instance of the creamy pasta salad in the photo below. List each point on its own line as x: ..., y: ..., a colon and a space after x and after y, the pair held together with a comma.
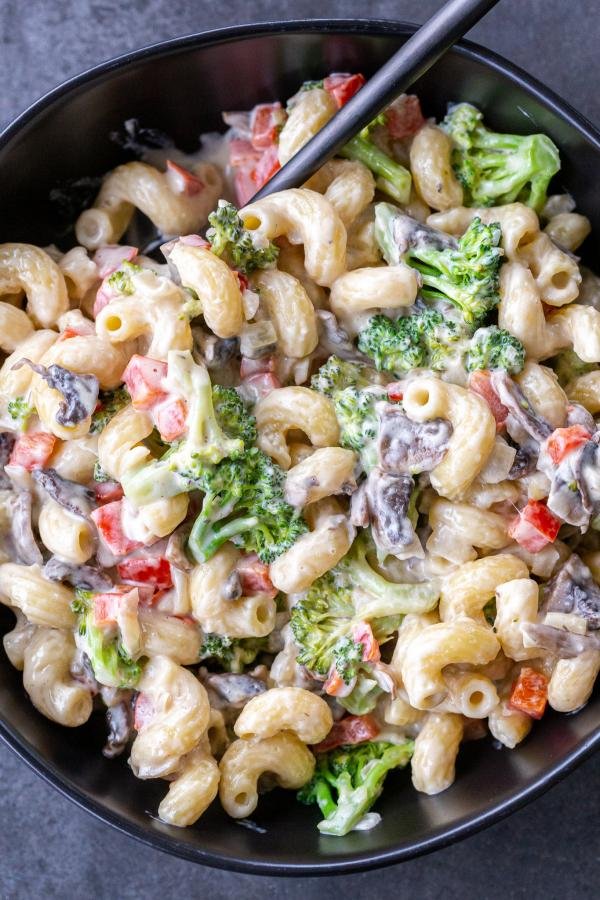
x: 304, y: 490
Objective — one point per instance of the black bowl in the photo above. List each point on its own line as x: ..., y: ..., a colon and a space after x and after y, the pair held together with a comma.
x: 180, y: 87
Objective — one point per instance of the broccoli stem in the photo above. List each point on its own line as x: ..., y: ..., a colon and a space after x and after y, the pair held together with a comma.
x: 393, y: 179
x: 204, y: 542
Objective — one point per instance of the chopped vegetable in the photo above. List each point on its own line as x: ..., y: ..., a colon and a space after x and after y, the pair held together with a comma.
x: 529, y: 693
x: 154, y: 570
x: 534, y: 527
x: 108, y: 519
x: 480, y: 383
x: 342, y: 86
x: 144, y: 379
x: 33, y: 450
x: 563, y: 441
x: 229, y: 239
x: 349, y: 730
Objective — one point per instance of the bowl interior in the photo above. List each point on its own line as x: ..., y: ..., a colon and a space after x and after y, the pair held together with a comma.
x: 181, y: 88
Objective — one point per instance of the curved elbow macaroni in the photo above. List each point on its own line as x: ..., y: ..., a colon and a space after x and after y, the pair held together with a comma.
x: 251, y: 616
x: 467, y: 590
x: 436, y: 748
x: 314, y: 553
x: 540, y: 386
x: 48, y: 681
x: 180, y: 716
x: 24, y: 267
x: 348, y: 185
x: 216, y: 285
x: 16, y: 640
x: 383, y: 287
x: 285, y: 709
x: 471, y: 693
x: 164, y: 635
x: 155, y: 311
x: 161, y: 517
x: 15, y: 327
x: 327, y: 471
x: 568, y: 230
x: 508, y: 726
x: 290, y: 310
x: 75, y: 459
x: 290, y: 409
x: 473, y: 436
x: 304, y: 217
x: 586, y: 390
x: 44, y: 602
x: 572, y: 681
x: 17, y: 382
x: 431, y: 168
x: 195, y: 787
x: 120, y: 448
x: 158, y: 195
x: 310, y: 112
x: 458, y: 528
x: 64, y: 534
x: 460, y: 641
x: 516, y: 603
x: 282, y: 755
x: 89, y: 354
x: 79, y: 271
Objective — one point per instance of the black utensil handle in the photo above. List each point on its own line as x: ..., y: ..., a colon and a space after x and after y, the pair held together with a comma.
x: 413, y: 59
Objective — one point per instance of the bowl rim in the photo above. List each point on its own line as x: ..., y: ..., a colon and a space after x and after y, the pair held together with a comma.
x: 443, y: 835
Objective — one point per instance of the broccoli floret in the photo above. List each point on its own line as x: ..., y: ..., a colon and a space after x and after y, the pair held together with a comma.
x: 424, y: 339
x: 464, y: 273
x: 348, y: 780
x: 495, y: 348
x: 568, y: 366
x: 354, y: 396
x: 111, y: 665
x: 231, y: 654
x: 205, y: 444
x: 20, y: 410
x: 244, y: 502
x: 232, y: 414
x: 229, y: 239
x: 99, y: 474
x: 111, y: 402
x: 352, y: 592
x: 499, y: 168
x: 390, y: 177
x: 120, y: 281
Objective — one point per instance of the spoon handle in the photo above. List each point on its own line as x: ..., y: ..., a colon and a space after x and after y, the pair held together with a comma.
x: 413, y: 59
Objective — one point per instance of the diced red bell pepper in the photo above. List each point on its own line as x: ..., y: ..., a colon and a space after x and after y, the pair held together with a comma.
x: 103, y: 297
x: 404, y: 117
x: 480, y: 383
x: 343, y: 86
x: 334, y: 685
x: 261, y: 384
x: 534, y: 527
x: 183, y: 181
x: 563, y: 441
x: 267, y: 165
x: 33, y: 450
x: 143, y: 711
x: 107, y: 491
x: 146, y: 570
x: 256, y: 366
x: 105, y: 608
x: 254, y: 576
x: 395, y: 391
x: 245, y: 186
x: 108, y: 520
x: 242, y: 280
x: 170, y: 418
x: 266, y: 120
x: 143, y: 379
x: 362, y: 633
x: 243, y: 154
x: 111, y: 257
x: 529, y: 693
x: 351, y: 730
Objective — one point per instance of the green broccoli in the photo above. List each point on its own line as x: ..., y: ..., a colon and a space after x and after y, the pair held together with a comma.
x: 568, y: 366
x: 424, y: 339
x: 348, y: 780
x: 350, y: 594
x: 244, y: 502
x: 464, y: 273
x: 20, y: 410
x: 232, y: 414
x: 205, y: 444
x: 99, y: 474
x: 111, y: 402
x: 495, y: 348
x: 390, y: 176
x: 354, y: 397
x: 120, y: 280
x: 111, y: 664
x: 236, y: 244
x: 231, y: 654
x: 499, y: 168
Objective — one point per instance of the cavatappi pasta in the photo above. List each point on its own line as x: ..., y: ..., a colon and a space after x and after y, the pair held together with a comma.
x: 313, y: 489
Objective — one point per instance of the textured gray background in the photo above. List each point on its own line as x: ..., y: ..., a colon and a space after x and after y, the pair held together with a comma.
x: 48, y: 848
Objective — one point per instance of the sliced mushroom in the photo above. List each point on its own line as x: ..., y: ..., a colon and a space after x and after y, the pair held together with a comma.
x: 407, y: 447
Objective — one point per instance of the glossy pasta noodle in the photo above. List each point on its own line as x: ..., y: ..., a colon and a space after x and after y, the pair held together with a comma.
x: 310, y: 493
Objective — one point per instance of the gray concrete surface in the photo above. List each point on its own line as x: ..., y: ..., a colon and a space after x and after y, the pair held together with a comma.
x: 49, y: 848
